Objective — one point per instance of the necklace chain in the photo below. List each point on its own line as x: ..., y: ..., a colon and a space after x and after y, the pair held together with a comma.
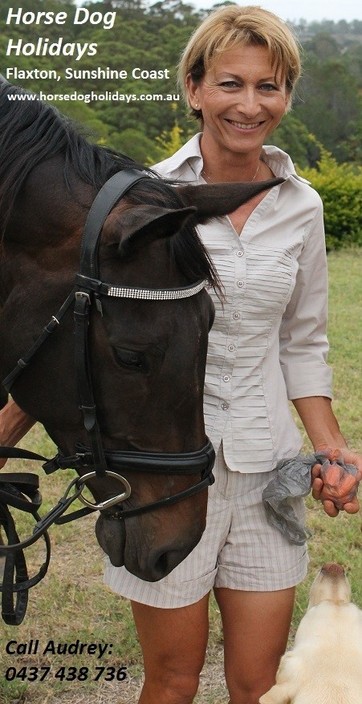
x: 209, y: 180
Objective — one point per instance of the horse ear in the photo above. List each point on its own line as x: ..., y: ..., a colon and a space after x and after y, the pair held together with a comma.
x: 144, y: 223
x: 216, y: 199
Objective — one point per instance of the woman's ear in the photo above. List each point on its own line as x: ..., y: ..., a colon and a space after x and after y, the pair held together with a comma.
x: 193, y: 90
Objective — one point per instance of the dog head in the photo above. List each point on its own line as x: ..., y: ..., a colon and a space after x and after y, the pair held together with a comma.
x: 330, y: 584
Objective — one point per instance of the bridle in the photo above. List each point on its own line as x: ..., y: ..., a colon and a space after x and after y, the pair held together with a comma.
x: 86, y: 294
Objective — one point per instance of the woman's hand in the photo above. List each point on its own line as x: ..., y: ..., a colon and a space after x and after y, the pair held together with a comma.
x: 333, y: 485
x: 14, y: 424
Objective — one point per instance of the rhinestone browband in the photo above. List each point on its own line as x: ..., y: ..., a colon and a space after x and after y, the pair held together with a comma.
x: 156, y: 294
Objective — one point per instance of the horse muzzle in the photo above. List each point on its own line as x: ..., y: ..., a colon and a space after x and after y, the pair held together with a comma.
x: 148, y: 560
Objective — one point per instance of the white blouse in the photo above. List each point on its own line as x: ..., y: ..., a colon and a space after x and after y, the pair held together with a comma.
x: 268, y: 343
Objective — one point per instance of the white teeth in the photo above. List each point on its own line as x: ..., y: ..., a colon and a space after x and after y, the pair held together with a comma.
x: 243, y: 126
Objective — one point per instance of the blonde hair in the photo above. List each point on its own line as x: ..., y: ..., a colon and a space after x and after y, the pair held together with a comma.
x: 233, y: 26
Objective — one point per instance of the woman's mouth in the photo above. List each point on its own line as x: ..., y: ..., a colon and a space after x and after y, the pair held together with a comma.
x: 244, y: 125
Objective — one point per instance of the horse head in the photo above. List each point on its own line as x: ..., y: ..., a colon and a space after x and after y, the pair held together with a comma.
x: 146, y: 358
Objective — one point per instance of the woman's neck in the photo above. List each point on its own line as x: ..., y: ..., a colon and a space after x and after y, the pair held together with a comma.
x: 228, y: 167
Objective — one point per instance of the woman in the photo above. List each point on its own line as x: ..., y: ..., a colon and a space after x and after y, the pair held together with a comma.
x: 268, y: 344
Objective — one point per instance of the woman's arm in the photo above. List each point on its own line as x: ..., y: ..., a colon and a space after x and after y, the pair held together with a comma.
x: 320, y: 423
x: 14, y: 424
x: 324, y: 433
x: 303, y: 357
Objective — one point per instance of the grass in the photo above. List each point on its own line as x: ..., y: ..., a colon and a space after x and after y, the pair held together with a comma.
x: 71, y: 604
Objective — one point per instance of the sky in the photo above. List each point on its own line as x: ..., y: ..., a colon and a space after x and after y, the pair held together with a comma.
x: 304, y: 9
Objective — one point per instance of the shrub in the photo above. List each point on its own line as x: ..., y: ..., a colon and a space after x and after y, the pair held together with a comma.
x: 340, y: 187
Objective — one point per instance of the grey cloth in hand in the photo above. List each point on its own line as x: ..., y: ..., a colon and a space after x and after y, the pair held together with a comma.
x: 293, y: 479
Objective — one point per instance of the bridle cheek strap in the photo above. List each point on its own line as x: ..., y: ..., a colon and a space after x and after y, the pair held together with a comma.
x: 111, y: 192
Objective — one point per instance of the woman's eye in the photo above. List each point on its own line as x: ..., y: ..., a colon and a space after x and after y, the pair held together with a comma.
x: 130, y: 359
x: 229, y: 84
x: 268, y: 87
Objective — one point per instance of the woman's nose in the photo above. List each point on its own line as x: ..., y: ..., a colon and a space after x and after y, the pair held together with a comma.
x: 248, y: 102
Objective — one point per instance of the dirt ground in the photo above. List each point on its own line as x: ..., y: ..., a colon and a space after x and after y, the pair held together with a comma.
x: 211, y: 691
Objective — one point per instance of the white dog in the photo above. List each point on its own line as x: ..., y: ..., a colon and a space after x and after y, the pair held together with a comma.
x: 325, y: 665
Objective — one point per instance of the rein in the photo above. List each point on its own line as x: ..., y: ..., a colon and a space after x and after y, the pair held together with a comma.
x: 21, y: 490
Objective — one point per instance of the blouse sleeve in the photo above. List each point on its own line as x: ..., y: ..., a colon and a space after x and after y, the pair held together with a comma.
x: 303, y: 337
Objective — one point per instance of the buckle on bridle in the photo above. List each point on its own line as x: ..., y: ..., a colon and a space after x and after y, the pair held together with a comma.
x: 82, y: 296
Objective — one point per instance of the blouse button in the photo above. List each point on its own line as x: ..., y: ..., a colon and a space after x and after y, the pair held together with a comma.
x: 226, y: 377
x: 240, y: 253
x: 240, y: 283
x: 231, y: 348
x: 224, y: 406
x: 236, y: 315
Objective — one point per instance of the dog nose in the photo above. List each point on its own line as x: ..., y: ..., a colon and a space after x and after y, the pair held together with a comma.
x: 333, y: 569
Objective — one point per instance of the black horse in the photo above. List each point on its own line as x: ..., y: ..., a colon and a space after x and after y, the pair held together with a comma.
x: 146, y: 357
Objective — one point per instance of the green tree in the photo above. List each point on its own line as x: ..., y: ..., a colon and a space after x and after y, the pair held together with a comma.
x: 293, y: 137
x: 340, y: 187
x: 167, y: 143
x: 328, y: 104
x: 135, y: 144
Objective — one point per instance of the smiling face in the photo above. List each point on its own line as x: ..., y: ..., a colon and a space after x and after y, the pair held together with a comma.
x: 242, y: 99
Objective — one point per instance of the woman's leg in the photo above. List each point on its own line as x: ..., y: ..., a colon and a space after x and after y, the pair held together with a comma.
x: 173, y: 643
x: 256, y: 627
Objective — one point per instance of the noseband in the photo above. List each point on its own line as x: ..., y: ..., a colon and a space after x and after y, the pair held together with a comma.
x: 95, y: 461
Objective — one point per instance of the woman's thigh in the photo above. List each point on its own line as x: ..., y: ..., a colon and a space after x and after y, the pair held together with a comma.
x: 256, y: 627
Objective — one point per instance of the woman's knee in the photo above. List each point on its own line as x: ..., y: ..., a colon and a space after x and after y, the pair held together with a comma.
x: 170, y: 686
x: 173, y: 644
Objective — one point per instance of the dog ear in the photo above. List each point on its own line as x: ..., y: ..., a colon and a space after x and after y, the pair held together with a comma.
x: 279, y: 694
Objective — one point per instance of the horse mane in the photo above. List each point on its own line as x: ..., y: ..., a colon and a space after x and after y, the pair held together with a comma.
x: 32, y: 131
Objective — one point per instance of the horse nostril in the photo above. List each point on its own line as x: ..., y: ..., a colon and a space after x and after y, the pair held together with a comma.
x: 161, y: 566
x: 157, y: 564
x: 166, y: 561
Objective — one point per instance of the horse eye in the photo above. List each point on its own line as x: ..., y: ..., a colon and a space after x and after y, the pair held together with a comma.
x: 131, y: 359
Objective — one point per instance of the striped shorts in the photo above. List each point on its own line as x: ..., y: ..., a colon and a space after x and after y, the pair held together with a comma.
x: 238, y: 549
